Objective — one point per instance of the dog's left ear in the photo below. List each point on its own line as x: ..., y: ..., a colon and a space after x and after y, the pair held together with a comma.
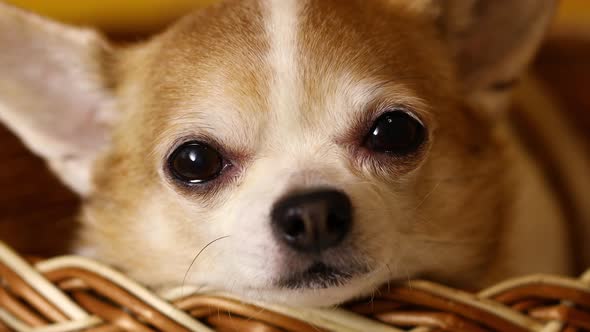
x: 492, y: 42
x: 55, y: 92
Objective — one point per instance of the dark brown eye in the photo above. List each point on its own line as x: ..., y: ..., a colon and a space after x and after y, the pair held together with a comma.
x: 195, y: 162
x: 396, y: 132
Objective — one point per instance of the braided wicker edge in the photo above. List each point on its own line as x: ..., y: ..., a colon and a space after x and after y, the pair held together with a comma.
x: 48, y: 287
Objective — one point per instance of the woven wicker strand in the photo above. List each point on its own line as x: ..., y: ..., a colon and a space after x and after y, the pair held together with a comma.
x: 76, y: 294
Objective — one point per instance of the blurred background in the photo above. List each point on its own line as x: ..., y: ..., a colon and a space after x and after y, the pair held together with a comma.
x: 140, y: 17
x: 32, y: 201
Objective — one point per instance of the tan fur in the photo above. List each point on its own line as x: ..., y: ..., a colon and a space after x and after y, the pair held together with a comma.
x: 285, y: 88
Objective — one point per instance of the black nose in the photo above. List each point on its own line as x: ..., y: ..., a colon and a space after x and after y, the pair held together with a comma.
x: 312, y: 221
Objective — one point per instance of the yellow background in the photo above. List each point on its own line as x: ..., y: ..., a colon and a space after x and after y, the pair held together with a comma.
x: 114, y: 16
x: 143, y: 16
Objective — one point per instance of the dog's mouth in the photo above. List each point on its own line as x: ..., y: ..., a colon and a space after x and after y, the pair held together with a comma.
x: 319, y: 275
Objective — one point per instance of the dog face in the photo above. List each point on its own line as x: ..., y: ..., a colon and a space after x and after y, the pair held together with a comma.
x: 300, y: 151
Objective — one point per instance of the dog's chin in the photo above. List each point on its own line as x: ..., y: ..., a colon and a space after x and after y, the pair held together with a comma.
x: 320, y: 285
x: 318, y: 276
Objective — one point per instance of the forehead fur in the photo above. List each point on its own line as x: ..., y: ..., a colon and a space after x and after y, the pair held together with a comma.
x: 282, y: 56
x: 372, y: 40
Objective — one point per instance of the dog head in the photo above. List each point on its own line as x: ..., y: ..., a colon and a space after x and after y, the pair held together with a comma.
x: 285, y: 150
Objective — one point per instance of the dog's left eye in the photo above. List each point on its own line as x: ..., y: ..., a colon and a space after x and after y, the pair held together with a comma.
x: 396, y: 132
x: 195, y: 162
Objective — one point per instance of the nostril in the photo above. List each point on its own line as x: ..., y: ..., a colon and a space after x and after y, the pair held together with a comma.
x: 294, y: 226
x: 335, y: 223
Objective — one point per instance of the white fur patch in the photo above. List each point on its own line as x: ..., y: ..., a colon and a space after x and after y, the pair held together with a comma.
x: 282, y: 27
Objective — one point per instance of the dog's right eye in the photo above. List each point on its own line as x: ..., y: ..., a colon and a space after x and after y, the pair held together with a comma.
x: 195, y: 162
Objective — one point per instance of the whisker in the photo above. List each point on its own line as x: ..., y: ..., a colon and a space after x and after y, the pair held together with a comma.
x: 195, y: 259
x: 427, y: 196
x: 461, y: 178
x: 389, y: 278
x: 455, y: 241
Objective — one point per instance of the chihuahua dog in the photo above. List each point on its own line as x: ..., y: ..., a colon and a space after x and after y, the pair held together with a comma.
x: 301, y: 151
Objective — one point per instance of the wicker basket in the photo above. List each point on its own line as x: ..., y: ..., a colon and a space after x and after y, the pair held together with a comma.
x: 76, y: 294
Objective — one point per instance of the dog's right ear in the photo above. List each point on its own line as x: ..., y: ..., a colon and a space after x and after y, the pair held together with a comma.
x: 491, y: 41
x: 56, y: 92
